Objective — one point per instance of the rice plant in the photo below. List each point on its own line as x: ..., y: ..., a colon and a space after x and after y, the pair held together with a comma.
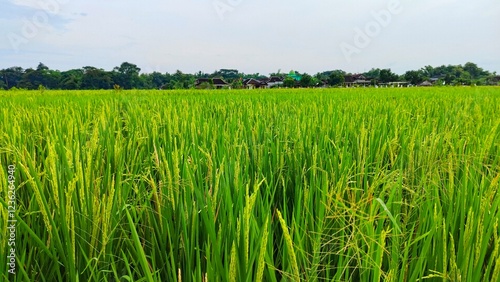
x: 260, y: 185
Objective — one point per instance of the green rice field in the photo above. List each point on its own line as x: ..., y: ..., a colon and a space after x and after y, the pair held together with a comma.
x: 251, y: 185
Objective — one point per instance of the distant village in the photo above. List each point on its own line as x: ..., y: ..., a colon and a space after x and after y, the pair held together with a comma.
x: 355, y: 80
x: 129, y: 76
x: 339, y: 79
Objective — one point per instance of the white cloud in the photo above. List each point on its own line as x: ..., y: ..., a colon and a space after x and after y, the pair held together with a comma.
x: 26, y: 3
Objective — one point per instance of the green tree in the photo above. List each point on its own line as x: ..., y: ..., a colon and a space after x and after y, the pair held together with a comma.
x: 46, y: 77
x: 465, y: 78
x: 71, y: 80
x: 336, y: 78
x: 278, y: 74
x: 180, y: 80
x: 127, y: 75
x: 42, y: 67
x: 42, y: 75
x: 386, y: 75
x: 373, y: 74
x: 12, y: 76
x: 179, y: 85
x: 306, y: 80
x: 158, y: 80
x: 237, y: 84
x: 289, y: 82
x: 30, y: 80
x: 94, y: 78
x: 475, y: 71
x: 449, y: 79
x: 429, y: 71
x: 51, y: 79
x: 227, y: 74
x: 414, y: 77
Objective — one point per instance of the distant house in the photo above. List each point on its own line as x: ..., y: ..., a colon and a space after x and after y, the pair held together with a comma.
x: 274, y: 81
x: 356, y: 80
x: 251, y: 83
x: 433, y: 79
x: 425, y: 84
x: 438, y: 79
x: 322, y: 83
x: 348, y: 80
x: 217, y: 83
x: 495, y: 80
x: 398, y: 84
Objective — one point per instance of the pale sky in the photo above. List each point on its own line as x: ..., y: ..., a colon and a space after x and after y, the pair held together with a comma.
x: 253, y: 36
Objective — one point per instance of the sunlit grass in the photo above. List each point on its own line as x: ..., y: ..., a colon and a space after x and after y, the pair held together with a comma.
x: 282, y: 185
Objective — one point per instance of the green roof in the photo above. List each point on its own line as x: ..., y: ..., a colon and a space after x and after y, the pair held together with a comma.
x: 294, y: 75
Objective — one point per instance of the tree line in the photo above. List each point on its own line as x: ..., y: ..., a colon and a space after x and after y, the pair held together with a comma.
x: 129, y: 76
